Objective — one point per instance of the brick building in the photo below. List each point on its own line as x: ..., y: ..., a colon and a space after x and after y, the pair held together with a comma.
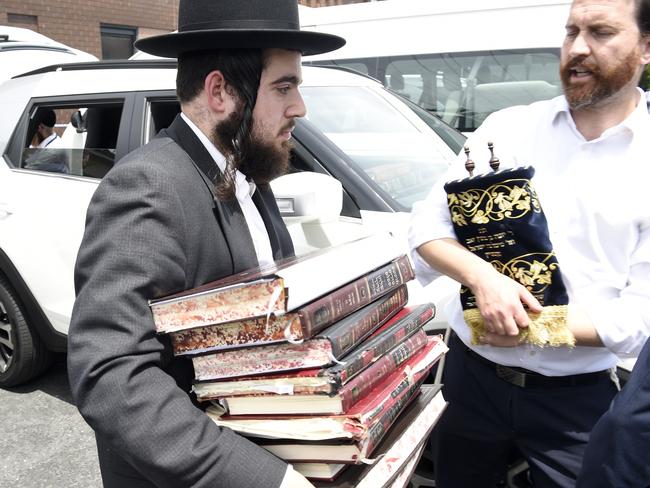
x: 105, y: 28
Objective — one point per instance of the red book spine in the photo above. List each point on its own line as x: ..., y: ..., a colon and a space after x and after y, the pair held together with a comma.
x: 402, y: 325
x: 378, y: 430
x: 350, y: 331
x: 384, y: 395
x: 365, y: 381
x: 323, y: 312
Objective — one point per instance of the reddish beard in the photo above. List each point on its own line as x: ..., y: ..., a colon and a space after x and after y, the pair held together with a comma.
x: 604, y: 82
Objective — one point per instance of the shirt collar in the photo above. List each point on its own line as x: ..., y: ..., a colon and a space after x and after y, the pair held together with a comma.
x: 243, y: 188
x: 48, y: 140
x: 637, y: 122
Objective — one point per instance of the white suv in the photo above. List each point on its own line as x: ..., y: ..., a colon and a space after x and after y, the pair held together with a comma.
x: 23, y: 50
x: 383, y: 152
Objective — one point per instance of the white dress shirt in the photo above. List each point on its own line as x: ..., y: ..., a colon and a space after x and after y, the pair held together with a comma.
x: 597, y: 202
x: 51, y: 141
x: 244, y: 193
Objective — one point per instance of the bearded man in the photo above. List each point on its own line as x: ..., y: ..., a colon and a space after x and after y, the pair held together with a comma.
x: 192, y: 206
x: 590, y: 150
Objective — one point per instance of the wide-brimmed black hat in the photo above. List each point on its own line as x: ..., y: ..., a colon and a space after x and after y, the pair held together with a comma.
x: 238, y: 24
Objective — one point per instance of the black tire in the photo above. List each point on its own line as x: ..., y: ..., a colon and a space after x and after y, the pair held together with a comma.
x: 22, y: 352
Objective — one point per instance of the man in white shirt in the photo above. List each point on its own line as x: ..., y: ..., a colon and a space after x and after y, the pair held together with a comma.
x: 47, y: 154
x: 44, y: 135
x: 589, y: 149
x: 191, y: 206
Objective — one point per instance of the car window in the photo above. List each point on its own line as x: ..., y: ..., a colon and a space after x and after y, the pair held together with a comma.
x: 464, y: 88
x: 402, y: 158
x: 81, y: 141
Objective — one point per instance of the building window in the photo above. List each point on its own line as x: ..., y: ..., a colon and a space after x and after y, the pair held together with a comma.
x: 117, y: 41
x: 22, y: 20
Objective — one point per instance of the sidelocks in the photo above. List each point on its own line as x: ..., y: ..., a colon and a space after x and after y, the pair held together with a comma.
x: 498, y: 217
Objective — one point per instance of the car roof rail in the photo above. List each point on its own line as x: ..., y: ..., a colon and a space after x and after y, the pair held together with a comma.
x: 347, y: 69
x: 99, y: 65
x: 22, y: 46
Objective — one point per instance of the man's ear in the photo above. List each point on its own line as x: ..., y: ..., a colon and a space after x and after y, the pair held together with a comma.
x: 215, y: 92
x: 645, y: 49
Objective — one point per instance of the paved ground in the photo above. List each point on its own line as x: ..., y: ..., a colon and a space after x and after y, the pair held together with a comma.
x: 44, y: 442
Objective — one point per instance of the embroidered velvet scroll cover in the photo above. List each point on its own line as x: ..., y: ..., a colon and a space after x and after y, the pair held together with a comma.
x: 498, y: 217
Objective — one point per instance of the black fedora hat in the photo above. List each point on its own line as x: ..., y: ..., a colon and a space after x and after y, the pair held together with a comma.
x: 233, y: 24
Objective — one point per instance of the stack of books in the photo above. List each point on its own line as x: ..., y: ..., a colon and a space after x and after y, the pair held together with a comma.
x: 315, y: 358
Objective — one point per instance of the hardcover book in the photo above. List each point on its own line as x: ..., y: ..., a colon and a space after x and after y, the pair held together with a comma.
x: 280, y: 287
x: 356, y: 442
x: 329, y: 380
x: 400, y: 449
x: 407, y: 374
x: 337, y: 451
x: 309, y: 320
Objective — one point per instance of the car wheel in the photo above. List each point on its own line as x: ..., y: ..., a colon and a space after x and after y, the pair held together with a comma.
x: 22, y: 353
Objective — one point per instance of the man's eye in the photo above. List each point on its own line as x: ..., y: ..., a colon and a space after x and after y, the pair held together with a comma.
x: 284, y: 89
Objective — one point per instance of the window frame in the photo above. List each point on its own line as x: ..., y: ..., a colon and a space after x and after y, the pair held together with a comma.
x: 117, y: 31
x: 15, y: 146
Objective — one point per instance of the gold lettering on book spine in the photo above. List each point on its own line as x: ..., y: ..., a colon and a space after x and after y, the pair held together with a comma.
x: 510, y: 199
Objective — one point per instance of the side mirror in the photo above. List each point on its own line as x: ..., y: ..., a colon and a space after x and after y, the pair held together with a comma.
x: 310, y: 205
x: 308, y: 196
x: 78, y: 122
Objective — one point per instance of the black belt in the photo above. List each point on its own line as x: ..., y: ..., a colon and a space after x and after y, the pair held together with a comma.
x: 525, y: 378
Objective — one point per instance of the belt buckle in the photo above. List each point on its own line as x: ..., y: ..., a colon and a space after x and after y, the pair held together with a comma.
x: 512, y: 376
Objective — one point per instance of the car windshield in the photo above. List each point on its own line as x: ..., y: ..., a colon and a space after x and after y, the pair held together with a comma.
x: 387, y: 139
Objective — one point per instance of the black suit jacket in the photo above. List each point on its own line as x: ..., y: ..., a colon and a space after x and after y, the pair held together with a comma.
x: 619, y: 445
x: 153, y: 228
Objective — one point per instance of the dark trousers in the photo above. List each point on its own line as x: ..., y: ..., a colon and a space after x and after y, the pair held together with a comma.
x: 487, y: 418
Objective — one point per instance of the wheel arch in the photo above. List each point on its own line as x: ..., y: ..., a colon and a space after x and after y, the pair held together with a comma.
x: 53, y: 339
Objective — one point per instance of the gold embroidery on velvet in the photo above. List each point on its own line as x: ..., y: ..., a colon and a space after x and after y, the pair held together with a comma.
x: 531, y: 270
x: 510, y: 199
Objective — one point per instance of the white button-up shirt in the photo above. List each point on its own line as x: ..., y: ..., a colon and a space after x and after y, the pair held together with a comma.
x: 596, y: 197
x: 244, y: 193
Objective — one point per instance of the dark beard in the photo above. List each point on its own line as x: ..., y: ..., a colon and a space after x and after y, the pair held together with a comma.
x: 605, y: 83
x: 257, y: 159
x: 264, y: 162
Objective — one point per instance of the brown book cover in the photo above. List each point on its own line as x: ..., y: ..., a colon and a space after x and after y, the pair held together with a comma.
x: 309, y: 320
x: 312, y: 381
x: 400, y: 449
x: 407, y: 373
x: 280, y: 287
x: 338, y: 451
x: 327, y: 380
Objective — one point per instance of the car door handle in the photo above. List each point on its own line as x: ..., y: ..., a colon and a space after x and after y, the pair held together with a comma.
x: 5, y: 209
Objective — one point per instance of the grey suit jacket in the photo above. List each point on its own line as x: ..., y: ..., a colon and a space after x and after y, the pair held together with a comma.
x: 153, y: 228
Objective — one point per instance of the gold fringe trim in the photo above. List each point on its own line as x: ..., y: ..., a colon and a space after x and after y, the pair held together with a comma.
x: 548, y: 328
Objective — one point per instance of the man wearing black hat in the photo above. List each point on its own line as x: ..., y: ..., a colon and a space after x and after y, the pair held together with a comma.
x: 191, y: 206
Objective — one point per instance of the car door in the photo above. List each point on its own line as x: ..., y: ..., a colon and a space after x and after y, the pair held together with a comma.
x: 47, y: 190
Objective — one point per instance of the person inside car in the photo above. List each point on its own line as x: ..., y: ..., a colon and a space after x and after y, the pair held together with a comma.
x: 46, y: 153
x: 589, y: 151
x: 191, y: 206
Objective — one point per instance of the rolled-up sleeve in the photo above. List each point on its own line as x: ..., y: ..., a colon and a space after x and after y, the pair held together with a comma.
x: 623, y: 322
x: 429, y: 221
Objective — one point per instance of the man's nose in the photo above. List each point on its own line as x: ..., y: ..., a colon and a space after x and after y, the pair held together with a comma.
x: 297, y: 108
x: 579, y: 46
